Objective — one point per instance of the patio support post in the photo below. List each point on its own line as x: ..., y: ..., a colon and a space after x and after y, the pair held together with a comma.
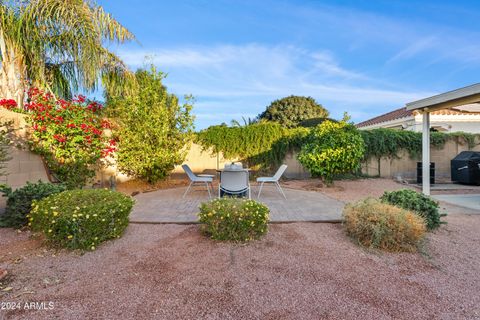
x: 426, y: 152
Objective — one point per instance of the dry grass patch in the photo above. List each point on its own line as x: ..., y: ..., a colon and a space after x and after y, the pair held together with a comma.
x: 379, y: 225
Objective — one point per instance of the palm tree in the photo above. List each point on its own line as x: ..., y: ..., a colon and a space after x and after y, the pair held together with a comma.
x: 246, y: 122
x: 60, y: 45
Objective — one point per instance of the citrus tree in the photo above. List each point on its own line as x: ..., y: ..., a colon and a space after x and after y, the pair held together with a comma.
x: 332, y: 148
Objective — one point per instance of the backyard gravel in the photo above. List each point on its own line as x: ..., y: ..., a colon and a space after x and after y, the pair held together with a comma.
x: 297, y: 271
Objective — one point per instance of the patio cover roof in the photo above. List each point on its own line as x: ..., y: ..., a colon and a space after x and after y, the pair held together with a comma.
x: 465, y: 99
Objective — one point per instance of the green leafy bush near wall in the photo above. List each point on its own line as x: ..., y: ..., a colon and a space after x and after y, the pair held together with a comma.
x: 81, y: 219
x: 388, y: 142
x: 419, y: 203
x: 19, y: 202
x: 233, y: 219
x: 332, y: 148
x: 154, y: 127
x: 262, y: 145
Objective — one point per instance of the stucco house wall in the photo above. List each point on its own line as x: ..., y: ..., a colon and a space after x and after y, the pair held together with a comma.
x: 444, y: 121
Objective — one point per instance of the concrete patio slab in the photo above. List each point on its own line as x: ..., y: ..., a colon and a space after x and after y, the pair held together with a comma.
x: 168, y: 206
x: 470, y: 201
x: 449, y: 187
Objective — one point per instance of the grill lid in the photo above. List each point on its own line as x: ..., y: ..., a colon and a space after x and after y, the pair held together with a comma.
x: 468, y: 156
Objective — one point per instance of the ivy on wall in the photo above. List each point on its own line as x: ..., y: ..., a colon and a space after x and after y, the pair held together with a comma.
x: 388, y: 142
x: 262, y: 145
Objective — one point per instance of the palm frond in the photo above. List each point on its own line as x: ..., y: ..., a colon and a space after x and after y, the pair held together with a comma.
x: 61, y: 42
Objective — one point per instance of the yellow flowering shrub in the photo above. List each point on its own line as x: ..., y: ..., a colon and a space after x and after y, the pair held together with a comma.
x: 81, y: 219
x: 383, y: 226
x: 233, y: 219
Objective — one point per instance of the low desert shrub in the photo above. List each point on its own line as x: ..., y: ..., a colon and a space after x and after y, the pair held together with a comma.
x: 19, y: 202
x: 81, y: 219
x: 233, y: 219
x: 375, y: 224
x: 419, y: 203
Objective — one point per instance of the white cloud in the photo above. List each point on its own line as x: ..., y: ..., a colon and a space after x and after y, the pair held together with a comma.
x: 415, y: 48
x: 230, y: 81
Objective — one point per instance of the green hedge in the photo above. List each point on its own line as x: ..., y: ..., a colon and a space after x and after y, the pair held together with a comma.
x: 81, y: 219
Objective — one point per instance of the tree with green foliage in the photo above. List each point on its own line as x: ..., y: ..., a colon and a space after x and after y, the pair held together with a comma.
x: 332, y: 148
x: 59, y: 46
x: 153, y: 127
x: 290, y: 111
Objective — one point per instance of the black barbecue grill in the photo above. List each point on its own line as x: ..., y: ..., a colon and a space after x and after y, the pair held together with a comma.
x: 466, y: 167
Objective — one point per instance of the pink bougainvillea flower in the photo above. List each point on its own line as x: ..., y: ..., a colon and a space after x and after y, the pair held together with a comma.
x: 60, y: 138
x: 80, y: 98
x: 106, y: 124
x: 8, y: 103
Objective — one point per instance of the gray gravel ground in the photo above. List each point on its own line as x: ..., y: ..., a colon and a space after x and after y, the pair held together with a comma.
x: 298, y: 271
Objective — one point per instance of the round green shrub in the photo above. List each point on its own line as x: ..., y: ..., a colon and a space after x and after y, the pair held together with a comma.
x: 332, y: 148
x: 81, y: 219
x: 290, y: 111
x: 233, y: 219
x: 379, y: 225
x: 417, y: 202
x: 19, y: 202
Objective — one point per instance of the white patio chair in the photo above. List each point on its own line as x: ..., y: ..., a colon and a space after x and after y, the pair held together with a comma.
x: 234, y: 182
x: 274, y: 180
x: 206, y: 179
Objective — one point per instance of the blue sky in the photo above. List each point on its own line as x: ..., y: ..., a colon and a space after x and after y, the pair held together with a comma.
x: 363, y: 57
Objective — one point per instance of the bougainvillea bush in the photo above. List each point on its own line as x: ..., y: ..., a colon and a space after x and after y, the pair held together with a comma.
x: 332, y: 148
x: 9, y: 104
x: 69, y: 135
